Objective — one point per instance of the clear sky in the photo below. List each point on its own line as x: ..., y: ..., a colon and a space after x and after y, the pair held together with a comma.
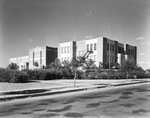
x: 25, y: 24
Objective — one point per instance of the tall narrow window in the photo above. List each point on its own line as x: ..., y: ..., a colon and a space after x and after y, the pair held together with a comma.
x: 107, y: 46
x: 91, y: 47
x: 88, y: 47
x: 65, y: 50
x: 62, y: 49
x: 110, y: 47
x: 68, y: 49
x: 113, y: 48
x: 94, y: 46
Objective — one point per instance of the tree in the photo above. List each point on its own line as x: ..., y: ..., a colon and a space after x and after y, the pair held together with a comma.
x: 127, y: 66
x: 148, y: 70
x: 76, y: 63
x: 36, y: 64
x: 90, y: 64
x: 56, y: 64
x: 13, y: 66
x: 132, y: 69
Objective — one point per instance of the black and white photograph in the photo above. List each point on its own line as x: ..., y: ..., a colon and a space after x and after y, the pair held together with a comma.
x: 74, y: 58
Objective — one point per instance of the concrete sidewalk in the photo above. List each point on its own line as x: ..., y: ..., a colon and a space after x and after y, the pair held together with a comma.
x: 58, y: 87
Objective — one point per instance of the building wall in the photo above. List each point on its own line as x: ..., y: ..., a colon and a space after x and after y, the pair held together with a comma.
x: 131, y: 53
x: 100, y: 53
x: 91, y: 45
x: 67, y: 51
x: 94, y: 45
x: 42, y: 55
x: 22, y: 62
x: 37, y: 54
x: 81, y: 48
x: 51, y: 55
x: 106, y: 51
x: 110, y: 51
x: 120, y: 58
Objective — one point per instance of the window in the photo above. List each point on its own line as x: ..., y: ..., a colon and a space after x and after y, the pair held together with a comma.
x: 65, y: 50
x: 110, y: 47
x: 43, y: 53
x: 62, y: 49
x: 68, y: 49
x: 88, y: 47
x: 119, y: 49
x: 68, y: 58
x: 91, y: 48
x: 107, y: 46
x: 113, y: 48
x: 37, y: 54
x: 94, y: 46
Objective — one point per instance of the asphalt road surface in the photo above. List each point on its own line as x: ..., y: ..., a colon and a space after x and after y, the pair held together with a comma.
x: 122, y: 102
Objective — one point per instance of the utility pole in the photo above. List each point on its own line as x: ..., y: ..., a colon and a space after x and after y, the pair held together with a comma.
x: 109, y: 56
x: 109, y: 47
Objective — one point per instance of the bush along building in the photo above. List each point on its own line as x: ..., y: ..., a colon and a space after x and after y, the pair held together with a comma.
x: 39, y: 57
x: 106, y: 53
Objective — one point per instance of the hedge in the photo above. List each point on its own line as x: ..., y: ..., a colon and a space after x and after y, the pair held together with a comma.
x: 16, y: 76
x: 13, y: 76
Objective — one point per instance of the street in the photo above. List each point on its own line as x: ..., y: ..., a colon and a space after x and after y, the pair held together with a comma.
x: 121, y: 102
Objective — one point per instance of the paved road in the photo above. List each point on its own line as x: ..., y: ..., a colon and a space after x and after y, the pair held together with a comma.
x: 125, y: 102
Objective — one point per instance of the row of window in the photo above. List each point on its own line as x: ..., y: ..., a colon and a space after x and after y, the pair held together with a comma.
x: 90, y: 47
x: 120, y: 50
x: 131, y: 52
x: 81, y: 53
x: 65, y: 59
x: 65, y: 49
x: 93, y: 57
x: 110, y: 47
x: 90, y: 57
x: 37, y: 54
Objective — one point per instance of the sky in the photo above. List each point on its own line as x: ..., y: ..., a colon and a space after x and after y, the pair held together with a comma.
x: 25, y: 24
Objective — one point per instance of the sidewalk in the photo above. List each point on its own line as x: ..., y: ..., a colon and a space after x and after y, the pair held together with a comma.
x: 45, y: 88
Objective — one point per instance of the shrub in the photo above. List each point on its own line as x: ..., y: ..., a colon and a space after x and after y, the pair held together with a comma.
x: 36, y: 74
x: 139, y: 74
x: 13, y: 66
x: 13, y: 76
